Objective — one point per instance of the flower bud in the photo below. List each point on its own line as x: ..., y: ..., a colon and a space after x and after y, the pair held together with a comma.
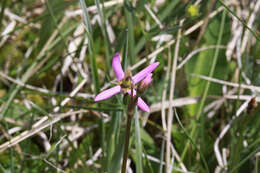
x: 145, y: 83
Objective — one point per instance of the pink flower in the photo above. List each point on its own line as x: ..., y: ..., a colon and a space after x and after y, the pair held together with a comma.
x: 145, y: 83
x: 127, y: 83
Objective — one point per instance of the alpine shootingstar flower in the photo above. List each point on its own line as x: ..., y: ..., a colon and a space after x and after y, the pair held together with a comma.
x: 145, y: 83
x: 126, y: 83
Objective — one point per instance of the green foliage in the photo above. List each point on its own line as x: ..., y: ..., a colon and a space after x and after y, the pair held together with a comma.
x: 35, y: 86
x: 202, y: 63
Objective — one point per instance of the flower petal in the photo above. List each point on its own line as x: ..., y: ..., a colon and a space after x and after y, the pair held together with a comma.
x: 147, y: 80
x: 143, y: 73
x: 117, y: 67
x: 134, y: 92
x: 142, y: 105
x: 145, y: 83
x: 107, y: 93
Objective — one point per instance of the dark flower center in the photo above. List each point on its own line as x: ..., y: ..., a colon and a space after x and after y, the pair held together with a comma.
x: 126, y: 83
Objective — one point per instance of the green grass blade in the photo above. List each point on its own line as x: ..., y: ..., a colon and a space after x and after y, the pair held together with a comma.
x: 115, y: 163
x: 125, y: 55
x: 130, y: 28
x: 93, y: 63
x: 257, y: 36
x: 205, y: 93
x: 244, y: 160
x: 2, y: 11
x: 95, y: 79
x: 105, y: 35
x: 86, y: 18
x: 162, y: 156
x: 138, y: 144
x: 191, y: 140
x: 113, y: 133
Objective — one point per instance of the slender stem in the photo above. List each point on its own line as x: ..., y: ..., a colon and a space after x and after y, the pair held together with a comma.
x: 127, y: 136
x: 170, y: 111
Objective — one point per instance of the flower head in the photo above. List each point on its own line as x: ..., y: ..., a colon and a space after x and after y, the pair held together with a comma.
x: 127, y: 83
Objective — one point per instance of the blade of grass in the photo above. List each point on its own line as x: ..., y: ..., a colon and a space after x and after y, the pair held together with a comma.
x: 244, y: 160
x: 147, y: 162
x: 94, y: 73
x: 54, y: 19
x: 130, y: 27
x: 105, y: 35
x: 257, y: 36
x: 3, y: 169
x: 138, y: 144
x: 114, y: 129
x: 191, y: 140
x: 125, y: 52
x: 117, y: 157
x: 50, y: 9
x: 93, y: 63
x: 256, y: 163
x: 202, y: 103
x: 162, y: 156
x: 168, y: 134
x: 205, y: 93
x: 2, y: 11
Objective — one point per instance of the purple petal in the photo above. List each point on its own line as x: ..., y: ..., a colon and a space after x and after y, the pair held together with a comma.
x: 134, y: 92
x: 147, y: 80
x: 107, y: 93
x: 145, y: 83
x: 117, y: 67
x: 142, y: 105
x: 143, y: 73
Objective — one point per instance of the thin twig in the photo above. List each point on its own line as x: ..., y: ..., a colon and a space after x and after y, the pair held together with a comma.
x: 225, y: 130
x: 93, y: 9
x: 170, y: 112
x: 95, y: 157
x: 28, y: 133
x: 243, y: 86
x: 177, y: 156
x: 190, y: 55
x: 165, y: 87
x: 155, y: 18
x: 55, y: 167
x: 8, y: 137
x: 179, y: 102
